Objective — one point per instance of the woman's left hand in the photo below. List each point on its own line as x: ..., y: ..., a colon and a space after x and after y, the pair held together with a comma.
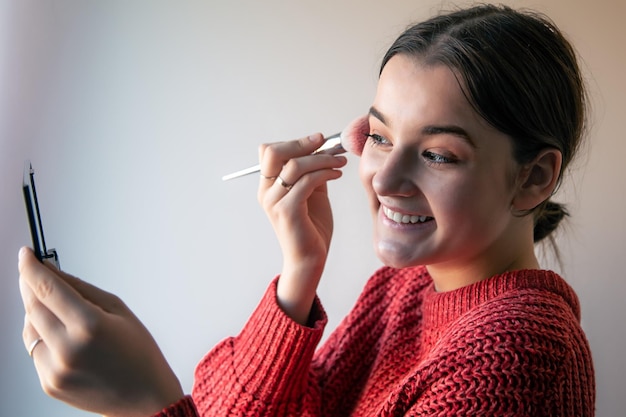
x: 94, y: 354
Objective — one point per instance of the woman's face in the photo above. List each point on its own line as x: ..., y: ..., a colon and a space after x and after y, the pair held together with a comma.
x: 439, y: 179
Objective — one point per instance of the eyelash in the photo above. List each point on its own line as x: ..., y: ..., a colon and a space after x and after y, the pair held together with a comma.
x: 431, y: 158
x: 437, y: 159
x: 376, y: 140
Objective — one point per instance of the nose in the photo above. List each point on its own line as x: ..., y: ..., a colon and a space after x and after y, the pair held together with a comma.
x: 397, y: 173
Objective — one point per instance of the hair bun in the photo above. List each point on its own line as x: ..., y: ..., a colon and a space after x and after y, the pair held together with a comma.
x: 547, y: 219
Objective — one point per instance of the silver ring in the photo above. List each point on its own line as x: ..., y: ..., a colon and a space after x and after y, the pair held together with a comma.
x: 283, y: 183
x: 272, y: 178
x: 33, y: 345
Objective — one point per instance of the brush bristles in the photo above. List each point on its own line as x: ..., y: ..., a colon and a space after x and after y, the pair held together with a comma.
x: 354, y: 136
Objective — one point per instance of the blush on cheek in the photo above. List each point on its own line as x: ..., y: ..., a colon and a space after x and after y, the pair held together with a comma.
x: 369, y: 164
x: 366, y: 174
x: 365, y: 171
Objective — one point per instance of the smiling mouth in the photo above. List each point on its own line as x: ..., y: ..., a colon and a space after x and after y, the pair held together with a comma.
x: 404, y: 218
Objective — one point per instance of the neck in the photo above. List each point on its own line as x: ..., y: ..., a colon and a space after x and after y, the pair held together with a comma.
x: 502, y: 256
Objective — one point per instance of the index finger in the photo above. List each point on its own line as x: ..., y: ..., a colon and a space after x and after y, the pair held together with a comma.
x: 53, y: 292
x: 273, y: 156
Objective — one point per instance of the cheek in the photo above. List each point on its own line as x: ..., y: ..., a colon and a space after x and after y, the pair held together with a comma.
x: 479, y: 201
x: 367, y: 170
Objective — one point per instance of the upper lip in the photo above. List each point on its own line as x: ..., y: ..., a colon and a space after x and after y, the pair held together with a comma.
x: 404, y: 211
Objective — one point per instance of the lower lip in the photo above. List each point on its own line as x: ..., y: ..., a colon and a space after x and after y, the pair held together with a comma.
x: 404, y: 226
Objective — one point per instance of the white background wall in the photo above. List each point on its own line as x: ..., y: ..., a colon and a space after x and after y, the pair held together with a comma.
x: 131, y: 111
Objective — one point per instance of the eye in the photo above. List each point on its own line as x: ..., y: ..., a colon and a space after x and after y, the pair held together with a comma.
x: 433, y: 158
x: 377, y: 140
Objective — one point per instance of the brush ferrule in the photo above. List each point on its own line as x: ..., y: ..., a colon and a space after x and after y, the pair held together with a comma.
x: 332, y: 145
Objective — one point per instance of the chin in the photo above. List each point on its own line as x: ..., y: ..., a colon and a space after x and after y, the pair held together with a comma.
x: 395, y: 258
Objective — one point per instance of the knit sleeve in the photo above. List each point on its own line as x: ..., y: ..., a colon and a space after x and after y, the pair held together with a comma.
x: 265, y: 370
x: 183, y: 408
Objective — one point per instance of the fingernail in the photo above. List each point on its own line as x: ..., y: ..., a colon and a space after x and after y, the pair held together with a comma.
x: 313, y: 138
x: 21, y: 253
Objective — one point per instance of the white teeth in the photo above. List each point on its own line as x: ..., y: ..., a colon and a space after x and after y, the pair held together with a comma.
x: 403, y: 218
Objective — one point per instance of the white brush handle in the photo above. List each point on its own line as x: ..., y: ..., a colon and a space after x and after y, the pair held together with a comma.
x: 332, y: 146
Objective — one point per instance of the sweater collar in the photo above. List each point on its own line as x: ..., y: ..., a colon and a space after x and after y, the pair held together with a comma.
x: 440, y: 308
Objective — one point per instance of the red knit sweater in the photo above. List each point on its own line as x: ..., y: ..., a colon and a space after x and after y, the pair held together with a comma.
x: 510, y: 345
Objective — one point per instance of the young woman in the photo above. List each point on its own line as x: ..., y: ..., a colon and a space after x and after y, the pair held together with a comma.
x: 476, y: 116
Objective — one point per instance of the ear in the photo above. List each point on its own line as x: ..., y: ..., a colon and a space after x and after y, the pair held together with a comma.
x: 538, y: 179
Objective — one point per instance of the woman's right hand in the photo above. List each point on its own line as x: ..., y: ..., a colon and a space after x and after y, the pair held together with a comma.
x: 293, y: 193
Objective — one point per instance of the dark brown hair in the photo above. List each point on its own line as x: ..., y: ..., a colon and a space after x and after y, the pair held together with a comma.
x: 519, y: 73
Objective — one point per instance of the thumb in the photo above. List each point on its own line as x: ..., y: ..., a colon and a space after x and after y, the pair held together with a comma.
x: 107, y: 301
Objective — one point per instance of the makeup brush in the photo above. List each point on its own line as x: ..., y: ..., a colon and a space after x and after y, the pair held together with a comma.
x: 351, y: 139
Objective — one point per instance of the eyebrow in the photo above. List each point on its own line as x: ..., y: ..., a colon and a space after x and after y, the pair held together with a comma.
x: 432, y: 130
x: 374, y: 112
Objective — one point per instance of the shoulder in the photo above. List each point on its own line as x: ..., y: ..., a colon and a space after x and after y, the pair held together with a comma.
x: 530, y: 332
x: 516, y: 321
x: 524, y: 347
x: 531, y: 308
x: 529, y: 301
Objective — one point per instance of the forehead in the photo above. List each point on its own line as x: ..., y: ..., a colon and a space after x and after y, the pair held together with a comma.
x: 410, y: 90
